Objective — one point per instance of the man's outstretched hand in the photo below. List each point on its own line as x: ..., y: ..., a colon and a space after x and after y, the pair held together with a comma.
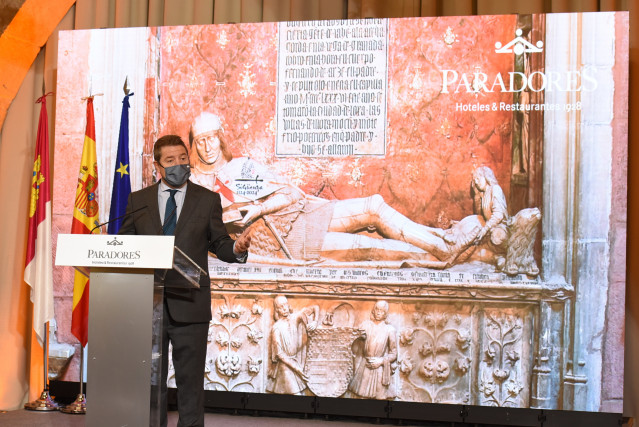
x: 243, y: 242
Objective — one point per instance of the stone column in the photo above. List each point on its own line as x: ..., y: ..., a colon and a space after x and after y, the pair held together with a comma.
x: 577, y: 182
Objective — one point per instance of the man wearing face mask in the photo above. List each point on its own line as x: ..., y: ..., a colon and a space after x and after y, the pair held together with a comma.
x: 176, y: 206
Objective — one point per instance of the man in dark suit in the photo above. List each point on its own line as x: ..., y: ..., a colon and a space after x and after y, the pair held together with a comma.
x: 176, y: 206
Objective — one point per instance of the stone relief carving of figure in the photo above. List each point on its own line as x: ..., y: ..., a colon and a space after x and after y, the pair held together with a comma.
x: 288, y: 342
x: 376, y: 364
x: 490, y: 203
x: 304, y: 227
x: 488, y: 225
x: 207, y: 149
x: 490, y: 235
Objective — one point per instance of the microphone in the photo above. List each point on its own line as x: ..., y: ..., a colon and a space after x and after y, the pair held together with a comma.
x: 117, y: 218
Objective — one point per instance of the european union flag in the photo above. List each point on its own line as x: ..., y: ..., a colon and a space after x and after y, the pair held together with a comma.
x: 121, y: 178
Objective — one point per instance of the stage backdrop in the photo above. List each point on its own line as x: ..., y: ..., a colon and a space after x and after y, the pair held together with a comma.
x: 437, y: 207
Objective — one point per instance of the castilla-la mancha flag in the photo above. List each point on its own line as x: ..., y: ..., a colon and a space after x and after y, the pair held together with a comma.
x: 38, y: 271
x: 85, y: 218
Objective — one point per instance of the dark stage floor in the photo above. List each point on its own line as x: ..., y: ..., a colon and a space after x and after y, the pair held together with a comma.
x: 23, y: 418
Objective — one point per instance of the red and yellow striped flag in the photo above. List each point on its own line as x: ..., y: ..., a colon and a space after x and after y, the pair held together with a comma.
x: 85, y: 217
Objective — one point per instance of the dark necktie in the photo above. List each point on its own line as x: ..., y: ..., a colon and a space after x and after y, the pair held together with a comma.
x: 170, y: 215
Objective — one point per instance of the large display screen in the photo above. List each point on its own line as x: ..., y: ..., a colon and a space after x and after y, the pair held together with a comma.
x: 437, y: 205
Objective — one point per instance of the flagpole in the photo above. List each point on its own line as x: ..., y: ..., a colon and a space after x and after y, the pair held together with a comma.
x: 81, y: 225
x: 79, y: 406
x: 45, y: 402
x: 37, y: 273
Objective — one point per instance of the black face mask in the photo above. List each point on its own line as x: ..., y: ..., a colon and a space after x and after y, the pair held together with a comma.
x: 177, y: 175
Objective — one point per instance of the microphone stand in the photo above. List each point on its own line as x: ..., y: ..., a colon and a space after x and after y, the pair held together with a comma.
x: 117, y: 218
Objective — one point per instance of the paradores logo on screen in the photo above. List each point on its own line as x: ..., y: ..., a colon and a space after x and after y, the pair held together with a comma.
x: 519, y: 45
x: 454, y: 81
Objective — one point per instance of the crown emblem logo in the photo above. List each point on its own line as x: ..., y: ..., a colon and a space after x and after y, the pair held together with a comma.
x: 115, y: 242
x: 519, y: 45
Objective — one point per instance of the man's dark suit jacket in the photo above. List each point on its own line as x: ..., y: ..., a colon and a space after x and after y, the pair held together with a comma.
x: 199, y: 230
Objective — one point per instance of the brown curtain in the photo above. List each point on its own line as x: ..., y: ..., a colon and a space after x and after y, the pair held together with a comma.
x: 21, y: 370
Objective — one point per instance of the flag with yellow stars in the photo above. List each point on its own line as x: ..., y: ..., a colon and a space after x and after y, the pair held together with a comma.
x: 121, y: 178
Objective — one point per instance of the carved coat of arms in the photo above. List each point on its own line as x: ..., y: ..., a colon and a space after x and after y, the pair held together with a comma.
x: 329, y: 360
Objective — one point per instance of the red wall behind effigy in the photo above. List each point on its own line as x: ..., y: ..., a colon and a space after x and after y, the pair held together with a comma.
x: 230, y: 70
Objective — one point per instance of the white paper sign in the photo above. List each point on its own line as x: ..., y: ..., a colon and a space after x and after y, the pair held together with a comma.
x: 104, y: 250
x: 332, y: 81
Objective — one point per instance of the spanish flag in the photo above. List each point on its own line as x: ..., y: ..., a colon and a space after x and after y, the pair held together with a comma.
x: 85, y: 218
